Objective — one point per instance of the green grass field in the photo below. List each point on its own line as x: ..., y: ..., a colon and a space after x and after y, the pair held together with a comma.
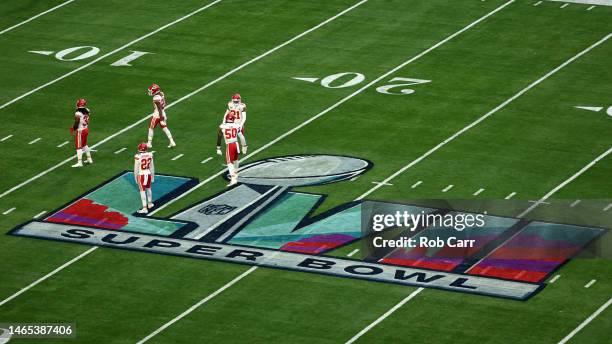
x: 524, y: 68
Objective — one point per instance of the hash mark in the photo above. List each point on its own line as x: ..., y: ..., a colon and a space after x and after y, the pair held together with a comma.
x: 564, y: 6
x: 34, y: 141
x: 510, y: 195
x: 354, y: 178
x: 62, y: 144
x: 607, y: 207
x: 590, y: 8
x: 416, y: 184
x: 447, y: 188
x: 9, y: 211
x: 352, y: 252
x: 554, y: 279
x: 382, y: 183
x: 591, y: 282
x: 120, y: 150
x: 6, y: 138
x: 206, y: 160
x: 177, y: 157
x: 39, y: 214
x: 574, y: 203
x: 478, y: 192
x: 537, y: 3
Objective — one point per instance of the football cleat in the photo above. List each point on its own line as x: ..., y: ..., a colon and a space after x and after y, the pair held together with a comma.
x: 172, y: 144
x: 149, y: 145
x: 154, y: 89
x: 81, y: 103
x: 219, y: 152
x: 142, y: 147
x: 150, y: 205
x: 78, y: 164
x: 143, y: 211
x: 233, y: 181
x: 236, y: 98
x: 89, y: 161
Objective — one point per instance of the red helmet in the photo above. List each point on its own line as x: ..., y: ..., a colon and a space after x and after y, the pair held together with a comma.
x: 236, y: 98
x: 154, y: 89
x: 142, y: 147
x: 81, y: 103
x: 230, y: 118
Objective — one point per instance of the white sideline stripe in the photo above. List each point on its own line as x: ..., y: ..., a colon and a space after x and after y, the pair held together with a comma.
x: 446, y: 189
x: 9, y: 211
x: 416, y: 184
x: 34, y: 141
x: 608, y: 207
x: 499, y: 107
x: 510, y: 195
x: 586, y: 321
x: 142, y: 120
x: 62, y: 144
x: 6, y: 137
x: 34, y: 17
x: 574, y: 203
x: 107, y: 54
x: 341, y: 101
x: 206, y: 160
x: 39, y: 214
x: 353, y: 252
x: 178, y: 157
x: 554, y: 279
x: 63, y: 266
x: 384, y: 316
x: 67, y: 160
x: 120, y: 150
x: 200, y: 303
x: 478, y: 192
x: 591, y: 282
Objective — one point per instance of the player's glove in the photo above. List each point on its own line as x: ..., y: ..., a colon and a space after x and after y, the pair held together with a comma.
x: 219, y: 150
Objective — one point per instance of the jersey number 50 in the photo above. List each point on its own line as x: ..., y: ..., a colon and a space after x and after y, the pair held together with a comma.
x: 231, y: 133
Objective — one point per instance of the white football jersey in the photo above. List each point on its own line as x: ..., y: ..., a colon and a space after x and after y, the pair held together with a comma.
x: 161, y: 99
x: 83, y: 118
x: 143, y: 163
x: 230, y: 132
x: 238, y: 110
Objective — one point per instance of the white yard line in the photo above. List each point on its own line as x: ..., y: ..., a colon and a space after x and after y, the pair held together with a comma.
x: 231, y: 72
x: 416, y: 184
x: 586, y: 321
x: 591, y: 282
x: 60, y: 268
x: 206, y: 160
x: 554, y: 279
x: 499, y: 107
x: 39, y: 214
x: 178, y: 157
x: 34, y: 17
x: 62, y: 144
x: 478, y: 192
x: 108, y: 54
x: 384, y: 316
x: 446, y: 189
x: 6, y: 137
x: 197, y: 305
x: 34, y: 141
x: 512, y: 194
x: 6, y: 212
x: 341, y: 101
x: 120, y: 150
x: 353, y: 252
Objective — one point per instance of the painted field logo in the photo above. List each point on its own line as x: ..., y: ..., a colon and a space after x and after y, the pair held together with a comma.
x: 262, y: 221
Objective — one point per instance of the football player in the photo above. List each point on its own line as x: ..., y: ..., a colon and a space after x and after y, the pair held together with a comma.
x: 159, y: 115
x: 238, y: 109
x: 229, y: 130
x: 144, y: 172
x: 80, y: 130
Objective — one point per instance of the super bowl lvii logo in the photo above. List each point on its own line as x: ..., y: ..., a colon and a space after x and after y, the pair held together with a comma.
x: 262, y: 221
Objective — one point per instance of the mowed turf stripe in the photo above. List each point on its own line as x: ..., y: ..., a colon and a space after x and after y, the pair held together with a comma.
x: 182, y: 99
x: 35, y: 16
x: 222, y: 77
x: 253, y: 269
x: 176, y: 21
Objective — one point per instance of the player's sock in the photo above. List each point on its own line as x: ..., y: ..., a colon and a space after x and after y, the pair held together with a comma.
x: 242, y: 139
x: 150, y: 138
x: 167, y: 131
x: 150, y: 198
x: 79, y: 158
x: 236, y: 165
x: 143, y: 198
x: 88, y: 153
x: 231, y: 169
